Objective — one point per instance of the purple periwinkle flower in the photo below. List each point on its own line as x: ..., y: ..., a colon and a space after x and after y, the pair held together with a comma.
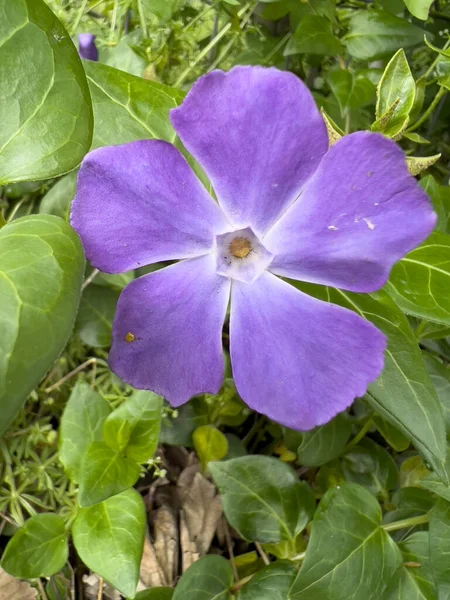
x: 86, y: 46
x: 287, y: 206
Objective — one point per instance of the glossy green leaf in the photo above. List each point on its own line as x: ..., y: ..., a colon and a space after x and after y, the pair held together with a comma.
x: 38, y: 549
x: 109, y: 539
x: 403, y: 393
x: 396, y: 87
x: 440, y: 547
x: 35, y: 320
x: 324, y: 443
x: 209, y: 578
x: 414, y: 580
x: 210, y: 444
x: 96, y: 314
x: 351, y: 91
x: 45, y: 105
x: 104, y: 473
x: 314, y: 35
x: 419, y: 8
x: 128, y: 108
x: 262, y: 498
x: 163, y: 593
x: 142, y: 414
x: 271, y: 583
x: 81, y: 424
x: 376, y: 33
x: 371, y: 466
x: 420, y: 282
x: 349, y: 555
x: 58, y: 199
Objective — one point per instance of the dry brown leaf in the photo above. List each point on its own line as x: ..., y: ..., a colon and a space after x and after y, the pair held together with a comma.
x: 14, y: 589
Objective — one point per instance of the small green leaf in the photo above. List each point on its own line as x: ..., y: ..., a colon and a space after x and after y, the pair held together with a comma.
x: 35, y: 320
x: 210, y: 444
x: 440, y: 547
x: 109, y: 539
x: 334, y: 133
x: 420, y: 282
x: 440, y: 197
x: 349, y: 555
x: 376, y: 33
x: 209, y: 578
x: 393, y: 436
x: 419, y: 8
x: 351, y: 91
x: 45, y: 105
x: 271, y: 583
x: 104, y: 473
x: 81, y: 424
x: 314, y: 35
x: 324, y: 443
x: 417, y: 164
x: 38, y: 549
x: 140, y: 414
x: 262, y: 498
x: 396, y: 87
x: 163, y: 593
x: 96, y: 314
x: 128, y: 108
x: 412, y: 471
x: 58, y: 199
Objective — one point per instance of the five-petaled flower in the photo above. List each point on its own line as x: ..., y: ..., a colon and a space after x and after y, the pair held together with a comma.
x: 288, y: 206
x: 86, y: 46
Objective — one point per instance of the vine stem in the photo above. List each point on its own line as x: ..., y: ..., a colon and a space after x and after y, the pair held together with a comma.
x: 442, y: 91
x: 359, y: 436
x: 411, y: 522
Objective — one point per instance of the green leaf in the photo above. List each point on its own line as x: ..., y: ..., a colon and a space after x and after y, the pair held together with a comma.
x: 409, y: 502
x: 349, y: 555
x: 163, y: 593
x: 96, y: 314
x: 412, y: 470
x: 396, y: 86
x: 35, y: 320
x: 210, y: 444
x: 271, y: 583
x: 177, y: 431
x: 393, y: 436
x: 440, y: 376
x: 314, y: 35
x: 38, y: 549
x: 324, y: 443
x: 403, y: 393
x: 419, y: 8
x: 81, y: 424
x: 58, y: 199
x: 207, y: 579
x: 420, y: 282
x: 375, y: 33
x: 262, y: 498
x: 128, y: 108
x: 45, y: 105
x: 105, y: 473
x: 440, y: 197
x: 371, y: 466
x: 417, y: 164
x: 142, y: 414
x: 351, y: 91
x: 440, y: 547
x: 109, y: 539
x: 413, y: 581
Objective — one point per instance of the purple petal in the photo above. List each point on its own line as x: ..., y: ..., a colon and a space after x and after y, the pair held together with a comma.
x: 258, y: 135
x: 167, y: 333
x: 86, y: 46
x: 360, y: 213
x: 299, y: 360
x: 140, y: 203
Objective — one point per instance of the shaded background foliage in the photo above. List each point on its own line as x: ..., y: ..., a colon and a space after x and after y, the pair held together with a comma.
x: 226, y: 503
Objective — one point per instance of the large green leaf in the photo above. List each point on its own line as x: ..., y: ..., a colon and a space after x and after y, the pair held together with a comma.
x: 349, y: 555
x: 96, y: 314
x: 207, y: 579
x: 314, y: 35
x: 262, y: 498
x: 271, y: 583
x: 162, y: 593
x: 41, y: 271
x: 440, y: 547
x: 351, y: 91
x: 109, y: 538
x: 81, y: 424
x: 419, y: 8
x: 38, y: 549
x: 46, y: 125
x: 142, y: 415
x: 128, y: 108
x: 420, y: 283
x: 58, y: 199
x: 104, y: 473
x: 440, y: 197
x: 376, y: 33
x: 403, y: 393
x: 324, y: 443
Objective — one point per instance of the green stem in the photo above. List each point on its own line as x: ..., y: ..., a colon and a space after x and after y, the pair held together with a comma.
x: 435, y: 61
x: 411, y: 522
x: 359, y: 436
x: 442, y: 91
x: 280, y: 44
x: 142, y: 19
x: 79, y: 16
x: 439, y: 15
